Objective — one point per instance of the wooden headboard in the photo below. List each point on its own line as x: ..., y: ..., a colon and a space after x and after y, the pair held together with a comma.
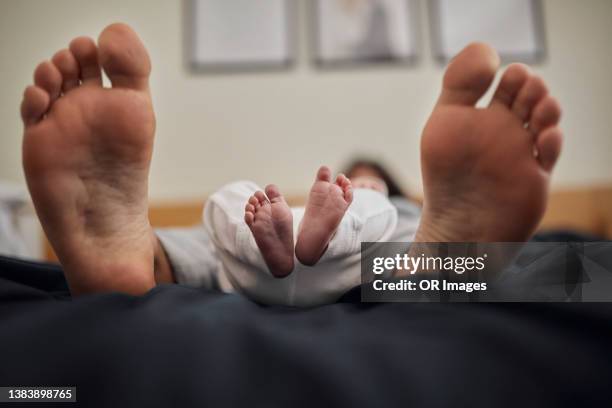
x: 189, y: 213
x: 587, y: 210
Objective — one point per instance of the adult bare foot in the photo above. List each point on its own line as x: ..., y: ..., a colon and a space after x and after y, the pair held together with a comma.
x: 486, y: 171
x: 327, y: 203
x: 86, y: 155
x: 271, y: 222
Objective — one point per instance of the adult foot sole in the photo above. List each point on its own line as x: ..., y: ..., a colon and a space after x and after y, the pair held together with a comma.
x: 486, y: 171
x: 86, y: 156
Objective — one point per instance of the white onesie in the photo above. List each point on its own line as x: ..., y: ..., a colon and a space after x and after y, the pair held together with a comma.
x: 370, y: 218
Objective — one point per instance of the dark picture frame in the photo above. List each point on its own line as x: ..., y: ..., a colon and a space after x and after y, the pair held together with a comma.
x: 199, y: 60
x: 376, y: 52
x: 537, y: 54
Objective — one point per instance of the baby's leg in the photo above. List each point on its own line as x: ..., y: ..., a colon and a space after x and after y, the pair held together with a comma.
x: 259, y: 235
x: 370, y: 218
x: 326, y: 206
x: 271, y: 222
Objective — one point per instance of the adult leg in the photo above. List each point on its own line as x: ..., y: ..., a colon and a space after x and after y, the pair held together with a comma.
x: 486, y: 172
x: 86, y: 156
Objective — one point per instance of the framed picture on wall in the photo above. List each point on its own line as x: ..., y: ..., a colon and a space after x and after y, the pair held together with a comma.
x: 347, y: 32
x: 229, y: 35
x: 515, y: 28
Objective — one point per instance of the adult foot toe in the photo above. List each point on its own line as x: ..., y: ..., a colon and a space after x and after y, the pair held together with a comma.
x: 85, y: 52
x: 123, y: 57
x: 513, y: 79
x: 469, y: 75
x: 35, y: 103
x: 548, y: 144
x: 545, y: 114
x: 68, y: 66
x: 49, y: 78
x: 530, y: 94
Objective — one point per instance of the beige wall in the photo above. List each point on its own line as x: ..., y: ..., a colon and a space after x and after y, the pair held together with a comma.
x: 277, y: 127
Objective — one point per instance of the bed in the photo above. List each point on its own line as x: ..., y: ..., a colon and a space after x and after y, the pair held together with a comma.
x: 179, y: 346
x: 184, y: 347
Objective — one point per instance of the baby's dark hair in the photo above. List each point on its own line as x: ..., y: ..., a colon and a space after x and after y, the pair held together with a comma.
x: 380, y: 170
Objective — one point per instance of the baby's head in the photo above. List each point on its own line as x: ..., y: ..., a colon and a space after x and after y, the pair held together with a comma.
x: 365, y: 173
x: 371, y: 182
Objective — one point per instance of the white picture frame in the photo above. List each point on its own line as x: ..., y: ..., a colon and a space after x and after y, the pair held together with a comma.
x: 357, y: 32
x: 240, y: 35
x: 515, y: 28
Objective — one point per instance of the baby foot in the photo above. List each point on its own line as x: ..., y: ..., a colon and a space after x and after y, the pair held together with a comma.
x: 86, y: 155
x: 271, y: 222
x: 327, y: 203
x: 486, y: 171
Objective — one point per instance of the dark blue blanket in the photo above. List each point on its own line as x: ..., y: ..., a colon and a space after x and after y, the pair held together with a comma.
x: 183, y: 347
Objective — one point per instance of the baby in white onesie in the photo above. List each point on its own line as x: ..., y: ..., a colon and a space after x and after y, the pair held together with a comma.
x: 297, y: 256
